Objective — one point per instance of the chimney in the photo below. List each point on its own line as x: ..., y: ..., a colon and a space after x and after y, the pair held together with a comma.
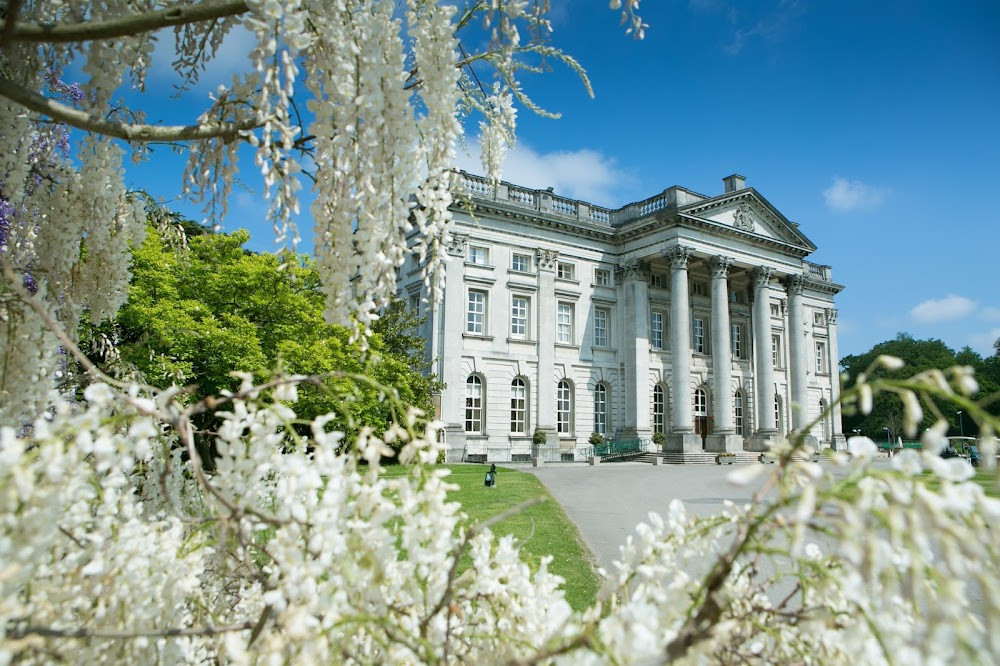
x: 734, y: 182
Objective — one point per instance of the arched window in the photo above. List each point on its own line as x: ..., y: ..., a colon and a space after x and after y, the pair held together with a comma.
x: 564, y: 408
x: 601, y: 409
x: 518, y: 407
x: 700, y: 402
x: 659, y: 410
x: 474, y: 404
x: 824, y: 420
x: 738, y: 413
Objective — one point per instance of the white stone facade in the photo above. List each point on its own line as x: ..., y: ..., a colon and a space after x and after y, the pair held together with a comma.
x: 568, y: 318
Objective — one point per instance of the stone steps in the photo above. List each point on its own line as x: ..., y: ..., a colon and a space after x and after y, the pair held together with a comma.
x: 698, y: 458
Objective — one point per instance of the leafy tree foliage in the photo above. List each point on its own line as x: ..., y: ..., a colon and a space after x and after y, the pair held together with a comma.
x: 199, y: 313
x: 918, y: 356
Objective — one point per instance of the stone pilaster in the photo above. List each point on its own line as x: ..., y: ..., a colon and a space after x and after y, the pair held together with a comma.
x: 545, y: 333
x: 767, y: 430
x: 798, y: 354
x: 453, y: 307
x: 682, y: 437
x: 723, y: 436
x: 839, y: 440
x: 633, y: 278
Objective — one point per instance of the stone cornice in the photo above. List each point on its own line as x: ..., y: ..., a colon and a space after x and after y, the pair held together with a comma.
x: 823, y: 287
x: 536, y: 218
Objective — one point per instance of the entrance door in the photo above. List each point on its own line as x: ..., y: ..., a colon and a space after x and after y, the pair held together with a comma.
x: 702, y: 421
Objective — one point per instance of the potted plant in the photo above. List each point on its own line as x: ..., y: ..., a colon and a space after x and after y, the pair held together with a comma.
x: 726, y: 457
x: 659, y: 439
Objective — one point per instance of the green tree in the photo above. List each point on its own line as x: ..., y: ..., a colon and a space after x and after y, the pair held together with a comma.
x: 919, y: 356
x: 199, y: 313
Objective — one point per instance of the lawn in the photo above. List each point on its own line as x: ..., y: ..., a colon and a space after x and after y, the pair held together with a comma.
x: 542, y: 529
x: 988, y: 480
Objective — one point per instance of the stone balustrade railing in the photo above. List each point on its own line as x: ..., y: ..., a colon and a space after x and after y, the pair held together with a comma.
x: 540, y: 200
x: 545, y: 201
x: 818, y: 271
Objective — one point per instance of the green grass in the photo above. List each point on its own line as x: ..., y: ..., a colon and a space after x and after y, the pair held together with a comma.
x: 988, y: 480
x: 542, y: 529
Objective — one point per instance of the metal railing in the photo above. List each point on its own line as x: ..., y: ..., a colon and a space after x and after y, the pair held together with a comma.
x: 619, y: 448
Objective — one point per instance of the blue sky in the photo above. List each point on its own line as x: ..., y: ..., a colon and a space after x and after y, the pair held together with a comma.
x: 874, y: 125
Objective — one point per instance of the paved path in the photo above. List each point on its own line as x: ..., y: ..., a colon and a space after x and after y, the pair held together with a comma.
x: 607, y: 501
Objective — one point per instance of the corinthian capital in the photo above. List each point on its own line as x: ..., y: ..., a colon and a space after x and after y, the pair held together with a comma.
x: 678, y: 256
x: 457, y: 245
x: 795, y: 284
x: 762, y: 276
x: 831, y: 315
x: 546, y: 259
x: 633, y: 269
x: 720, y: 266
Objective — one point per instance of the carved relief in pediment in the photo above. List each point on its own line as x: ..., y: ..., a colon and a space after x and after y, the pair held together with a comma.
x: 743, y: 217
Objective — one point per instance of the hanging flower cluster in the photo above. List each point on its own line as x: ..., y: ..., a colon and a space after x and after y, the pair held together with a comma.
x: 118, y: 545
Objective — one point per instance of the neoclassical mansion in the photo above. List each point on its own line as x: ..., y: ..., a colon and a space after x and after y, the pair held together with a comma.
x: 689, y: 315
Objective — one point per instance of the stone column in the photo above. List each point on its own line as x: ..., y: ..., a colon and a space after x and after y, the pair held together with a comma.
x: 633, y: 276
x: 723, y: 436
x: 767, y: 430
x: 798, y: 354
x: 682, y: 438
x: 839, y: 440
x: 453, y: 309
x: 545, y: 404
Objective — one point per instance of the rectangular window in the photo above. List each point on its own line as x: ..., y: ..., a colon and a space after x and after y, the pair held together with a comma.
x: 600, y: 328
x: 821, y: 358
x: 564, y: 408
x: 475, y: 320
x: 775, y: 311
x: 602, y: 277
x: 564, y: 324
x: 698, y: 288
x: 818, y: 318
x: 656, y: 280
x: 737, y: 296
x: 518, y: 408
x: 415, y: 304
x: 699, y: 336
x: 601, y: 409
x: 520, y: 263
x: 474, y: 404
x: 656, y: 330
x: 776, y: 350
x: 519, y: 317
x: 478, y: 255
x: 737, y: 341
x: 565, y: 271
x: 738, y: 412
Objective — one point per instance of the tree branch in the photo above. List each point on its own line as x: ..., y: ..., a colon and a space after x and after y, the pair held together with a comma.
x: 123, y: 26
x: 17, y: 631
x: 127, y: 131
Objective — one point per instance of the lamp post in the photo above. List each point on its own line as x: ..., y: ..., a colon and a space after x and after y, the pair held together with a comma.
x: 961, y: 426
x: 886, y: 428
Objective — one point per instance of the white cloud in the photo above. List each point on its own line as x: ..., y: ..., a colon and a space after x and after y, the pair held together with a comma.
x: 983, y: 342
x: 943, y: 309
x: 583, y: 174
x: 847, y: 195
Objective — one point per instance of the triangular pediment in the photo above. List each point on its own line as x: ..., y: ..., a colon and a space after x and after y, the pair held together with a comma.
x: 747, y: 212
